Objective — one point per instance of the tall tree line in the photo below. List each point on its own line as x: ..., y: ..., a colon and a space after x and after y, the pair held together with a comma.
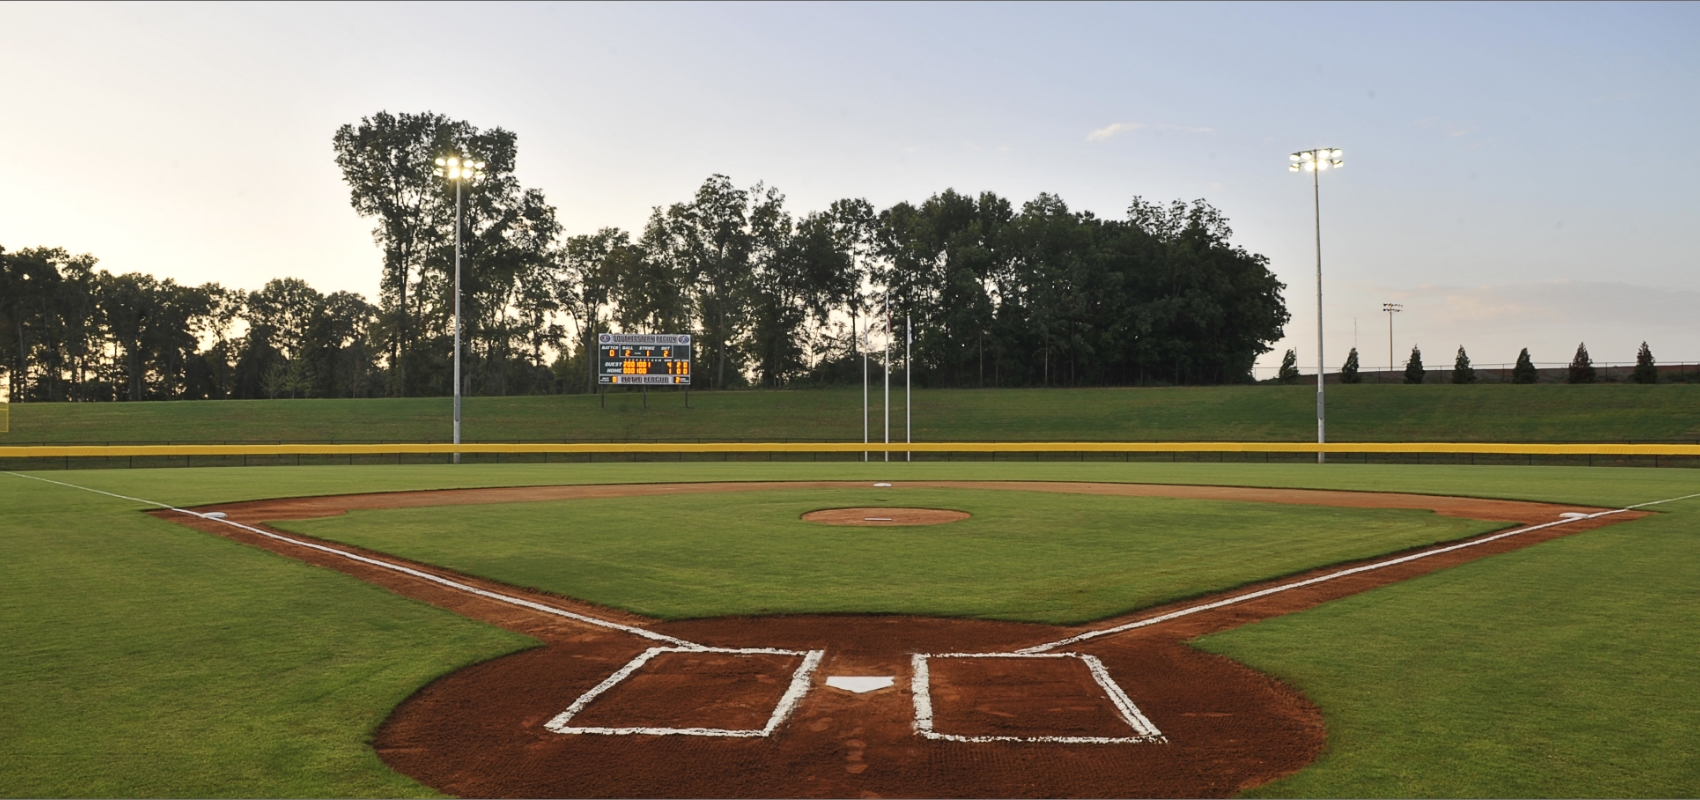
x: 997, y: 295
x: 72, y: 332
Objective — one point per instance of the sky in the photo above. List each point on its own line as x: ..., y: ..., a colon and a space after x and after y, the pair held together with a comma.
x: 1516, y: 175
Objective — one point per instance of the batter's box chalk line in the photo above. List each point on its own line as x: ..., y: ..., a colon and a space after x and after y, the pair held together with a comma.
x: 787, y: 703
x: 1143, y: 731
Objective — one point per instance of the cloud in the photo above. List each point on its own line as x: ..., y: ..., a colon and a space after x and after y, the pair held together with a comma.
x: 1454, y: 130
x: 1113, y: 129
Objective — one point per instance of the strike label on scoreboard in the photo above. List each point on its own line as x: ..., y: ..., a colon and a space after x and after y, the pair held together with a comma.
x: 644, y: 358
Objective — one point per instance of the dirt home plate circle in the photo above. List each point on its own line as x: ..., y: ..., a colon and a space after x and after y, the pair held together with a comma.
x: 885, y: 516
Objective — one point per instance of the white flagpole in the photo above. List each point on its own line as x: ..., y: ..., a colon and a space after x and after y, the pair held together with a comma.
x: 908, y: 388
x: 888, y: 373
x: 860, y: 345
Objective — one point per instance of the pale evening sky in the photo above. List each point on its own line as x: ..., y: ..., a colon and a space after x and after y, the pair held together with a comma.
x: 1517, y: 175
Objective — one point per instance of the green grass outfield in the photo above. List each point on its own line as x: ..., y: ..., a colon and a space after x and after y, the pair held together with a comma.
x: 147, y: 659
x: 1023, y: 556
x: 1367, y: 412
x: 1567, y: 669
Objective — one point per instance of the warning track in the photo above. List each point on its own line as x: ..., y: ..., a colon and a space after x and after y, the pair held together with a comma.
x: 1010, y: 725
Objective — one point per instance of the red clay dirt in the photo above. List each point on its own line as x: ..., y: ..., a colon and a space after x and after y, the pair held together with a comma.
x: 480, y: 731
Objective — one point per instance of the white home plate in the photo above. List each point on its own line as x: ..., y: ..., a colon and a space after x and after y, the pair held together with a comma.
x: 860, y: 684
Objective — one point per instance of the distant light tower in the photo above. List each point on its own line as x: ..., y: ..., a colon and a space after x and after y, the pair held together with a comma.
x: 460, y: 170
x: 1391, y: 309
x: 1314, y: 162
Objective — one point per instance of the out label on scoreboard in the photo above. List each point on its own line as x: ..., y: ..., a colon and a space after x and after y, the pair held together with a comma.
x: 644, y: 358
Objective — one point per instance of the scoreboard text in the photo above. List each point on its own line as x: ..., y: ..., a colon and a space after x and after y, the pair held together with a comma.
x: 644, y: 358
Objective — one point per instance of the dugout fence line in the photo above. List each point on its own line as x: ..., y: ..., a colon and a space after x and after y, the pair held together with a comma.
x: 664, y: 448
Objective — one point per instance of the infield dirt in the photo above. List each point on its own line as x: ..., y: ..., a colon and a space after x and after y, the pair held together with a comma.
x: 480, y: 731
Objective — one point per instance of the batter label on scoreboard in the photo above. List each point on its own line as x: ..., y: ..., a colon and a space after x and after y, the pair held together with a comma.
x: 644, y: 358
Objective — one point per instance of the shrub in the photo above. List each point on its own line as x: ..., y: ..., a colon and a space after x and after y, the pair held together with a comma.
x: 1581, y: 366
x: 1414, y: 367
x: 1462, y: 372
x: 1289, y: 367
x: 1525, y: 371
x: 1646, y: 370
x: 1349, y: 372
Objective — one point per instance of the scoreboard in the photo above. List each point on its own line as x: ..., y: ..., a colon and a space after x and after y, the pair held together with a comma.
x: 644, y: 358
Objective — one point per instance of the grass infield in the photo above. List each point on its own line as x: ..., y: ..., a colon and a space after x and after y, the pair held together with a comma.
x: 145, y: 659
x: 1024, y: 556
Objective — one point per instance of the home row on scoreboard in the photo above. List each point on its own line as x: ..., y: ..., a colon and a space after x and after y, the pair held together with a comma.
x: 641, y: 358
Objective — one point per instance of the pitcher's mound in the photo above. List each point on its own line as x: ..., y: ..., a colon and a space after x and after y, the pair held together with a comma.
x: 885, y: 516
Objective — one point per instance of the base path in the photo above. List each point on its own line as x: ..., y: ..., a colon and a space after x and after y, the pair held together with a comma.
x: 1117, y: 708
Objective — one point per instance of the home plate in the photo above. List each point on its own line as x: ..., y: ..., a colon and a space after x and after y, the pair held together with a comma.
x: 860, y: 684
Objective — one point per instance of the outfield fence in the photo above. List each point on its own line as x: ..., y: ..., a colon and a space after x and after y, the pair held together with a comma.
x: 92, y: 456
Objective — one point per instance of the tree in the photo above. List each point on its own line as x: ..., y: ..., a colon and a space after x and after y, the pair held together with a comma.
x: 1289, y: 372
x: 1349, y: 371
x: 388, y: 162
x: 1462, y: 372
x: 590, y: 269
x: 1414, y: 367
x: 1646, y: 370
x: 712, y: 241
x: 1525, y: 371
x: 1581, y: 366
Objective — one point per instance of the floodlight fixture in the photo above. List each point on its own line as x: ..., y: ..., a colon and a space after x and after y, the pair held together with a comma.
x: 1324, y: 158
x: 459, y: 169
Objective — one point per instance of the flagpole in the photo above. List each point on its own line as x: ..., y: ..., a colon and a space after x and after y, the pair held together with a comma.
x: 861, y: 345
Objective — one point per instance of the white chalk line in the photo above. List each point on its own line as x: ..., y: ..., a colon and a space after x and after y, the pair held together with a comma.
x: 455, y: 585
x: 1333, y: 575
x: 787, y: 702
x: 920, y: 684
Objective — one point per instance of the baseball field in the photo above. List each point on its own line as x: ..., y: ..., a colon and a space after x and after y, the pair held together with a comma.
x: 1025, y: 628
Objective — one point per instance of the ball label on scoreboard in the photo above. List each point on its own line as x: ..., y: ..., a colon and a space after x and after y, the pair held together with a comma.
x: 644, y: 359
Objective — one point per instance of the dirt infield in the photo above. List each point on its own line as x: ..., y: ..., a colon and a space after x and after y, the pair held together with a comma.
x: 1224, y: 726
x: 885, y: 517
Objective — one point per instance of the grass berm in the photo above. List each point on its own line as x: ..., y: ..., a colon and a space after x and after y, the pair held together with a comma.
x: 1368, y: 412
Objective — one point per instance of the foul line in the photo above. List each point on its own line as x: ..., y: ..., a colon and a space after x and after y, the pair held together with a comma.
x: 455, y: 585
x: 1331, y: 576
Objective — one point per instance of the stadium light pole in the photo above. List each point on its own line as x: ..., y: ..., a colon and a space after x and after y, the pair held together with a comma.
x: 459, y: 170
x: 1315, y: 162
x: 1391, y: 309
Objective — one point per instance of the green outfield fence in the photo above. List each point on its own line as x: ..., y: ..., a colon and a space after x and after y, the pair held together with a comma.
x: 164, y: 455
